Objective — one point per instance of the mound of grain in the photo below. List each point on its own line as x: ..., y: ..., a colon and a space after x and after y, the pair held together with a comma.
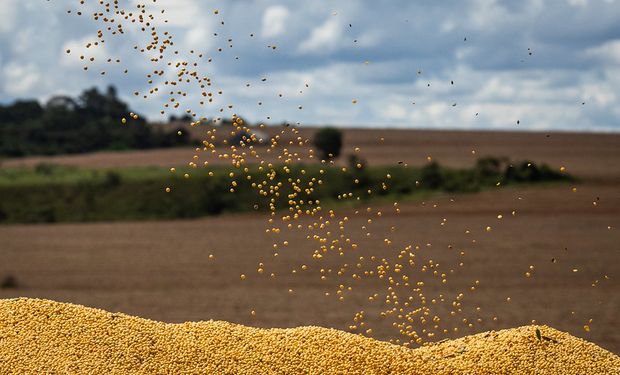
x: 38, y: 336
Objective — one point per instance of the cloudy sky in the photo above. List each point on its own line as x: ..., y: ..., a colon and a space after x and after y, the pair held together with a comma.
x: 421, y: 64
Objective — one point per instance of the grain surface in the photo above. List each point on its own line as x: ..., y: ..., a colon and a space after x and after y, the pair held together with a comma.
x: 41, y: 336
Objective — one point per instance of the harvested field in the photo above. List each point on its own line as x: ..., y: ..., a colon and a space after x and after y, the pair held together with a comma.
x: 43, y: 336
x: 585, y: 155
x: 162, y: 270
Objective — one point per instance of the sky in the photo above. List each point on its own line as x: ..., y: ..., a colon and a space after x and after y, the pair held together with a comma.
x: 466, y: 64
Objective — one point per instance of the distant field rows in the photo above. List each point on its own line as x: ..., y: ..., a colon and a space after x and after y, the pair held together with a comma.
x: 586, y: 155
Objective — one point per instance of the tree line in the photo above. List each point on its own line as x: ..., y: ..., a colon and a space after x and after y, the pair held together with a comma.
x: 50, y: 193
x: 66, y: 125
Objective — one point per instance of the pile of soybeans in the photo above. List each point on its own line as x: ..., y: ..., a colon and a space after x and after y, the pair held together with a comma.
x: 43, y: 337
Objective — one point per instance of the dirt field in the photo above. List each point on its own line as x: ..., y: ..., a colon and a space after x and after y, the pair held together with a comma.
x: 162, y: 270
x: 587, y: 155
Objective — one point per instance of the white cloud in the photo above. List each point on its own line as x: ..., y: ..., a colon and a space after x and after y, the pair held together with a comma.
x: 8, y: 13
x: 20, y: 79
x: 601, y: 95
x: 180, y: 13
x: 608, y: 52
x: 394, y: 111
x: 370, y: 38
x: 496, y: 89
x: 78, y: 48
x: 274, y: 21
x: 447, y: 26
x: 198, y: 38
x: 578, y: 3
x: 316, y: 47
x: 323, y: 38
x: 486, y: 14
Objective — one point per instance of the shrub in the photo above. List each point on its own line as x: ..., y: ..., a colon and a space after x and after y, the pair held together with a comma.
x: 356, y: 163
x: 431, y: 176
x: 112, y: 179
x: 463, y: 181
x: 525, y: 171
x: 73, y: 194
x: 44, y: 169
x: 489, y: 166
x: 8, y: 282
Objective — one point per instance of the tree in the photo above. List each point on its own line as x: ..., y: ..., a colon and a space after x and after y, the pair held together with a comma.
x: 329, y: 142
x: 66, y: 125
x: 20, y: 111
x: 431, y: 176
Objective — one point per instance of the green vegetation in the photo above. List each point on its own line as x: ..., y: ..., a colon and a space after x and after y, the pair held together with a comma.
x: 328, y: 142
x: 50, y: 193
x: 67, y: 126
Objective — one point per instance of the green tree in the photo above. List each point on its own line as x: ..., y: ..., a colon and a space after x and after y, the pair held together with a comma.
x: 489, y: 166
x: 328, y: 141
x: 431, y: 176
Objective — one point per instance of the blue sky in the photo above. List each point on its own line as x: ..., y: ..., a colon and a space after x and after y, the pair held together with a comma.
x: 465, y: 64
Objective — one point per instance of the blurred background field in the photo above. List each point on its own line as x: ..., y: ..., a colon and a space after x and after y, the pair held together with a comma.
x: 189, y: 269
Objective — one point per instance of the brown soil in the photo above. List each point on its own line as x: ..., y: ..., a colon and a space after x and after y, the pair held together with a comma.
x: 588, y: 155
x: 162, y: 270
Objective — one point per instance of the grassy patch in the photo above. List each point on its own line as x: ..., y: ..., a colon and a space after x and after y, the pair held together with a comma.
x: 49, y: 193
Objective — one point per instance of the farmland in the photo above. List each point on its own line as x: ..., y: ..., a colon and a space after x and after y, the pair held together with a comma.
x: 584, y: 154
x: 163, y: 269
